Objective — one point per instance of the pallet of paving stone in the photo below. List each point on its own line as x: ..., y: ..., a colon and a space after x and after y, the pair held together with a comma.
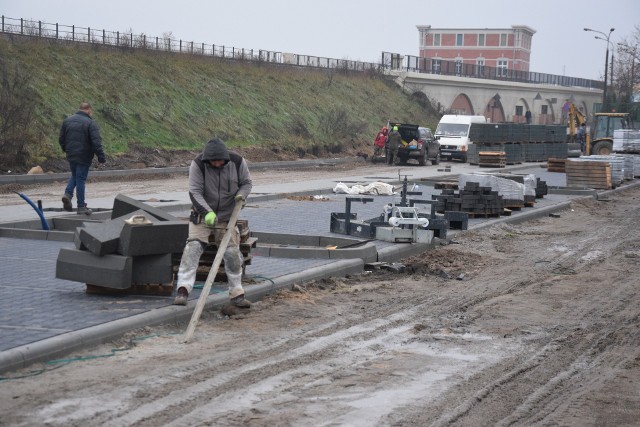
x: 556, y: 165
x: 589, y: 174
x: 542, y: 189
x: 513, y: 204
x: 529, y: 201
x: 472, y: 198
x: 492, y: 159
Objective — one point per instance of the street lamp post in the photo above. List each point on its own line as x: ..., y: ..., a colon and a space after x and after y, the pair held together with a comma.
x: 609, y: 44
x: 606, y: 65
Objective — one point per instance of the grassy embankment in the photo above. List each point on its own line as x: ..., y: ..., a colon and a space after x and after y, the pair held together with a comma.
x: 177, y: 102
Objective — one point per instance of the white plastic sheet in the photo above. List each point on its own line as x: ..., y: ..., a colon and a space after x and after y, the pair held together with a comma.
x: 375, y: 188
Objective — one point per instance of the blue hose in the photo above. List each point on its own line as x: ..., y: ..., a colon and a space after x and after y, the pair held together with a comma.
x: 45, y: 224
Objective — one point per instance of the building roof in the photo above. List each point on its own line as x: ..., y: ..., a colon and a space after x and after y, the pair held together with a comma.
x: 513, y: 27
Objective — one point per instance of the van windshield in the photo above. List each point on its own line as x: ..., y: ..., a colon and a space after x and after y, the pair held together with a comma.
x: 452, y: 129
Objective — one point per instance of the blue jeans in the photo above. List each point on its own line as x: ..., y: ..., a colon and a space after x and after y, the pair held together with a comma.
x: 79, y: 175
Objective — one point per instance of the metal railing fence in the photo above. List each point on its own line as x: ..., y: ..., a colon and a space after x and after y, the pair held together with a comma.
x: 453, y: 68
x: 390, y: 61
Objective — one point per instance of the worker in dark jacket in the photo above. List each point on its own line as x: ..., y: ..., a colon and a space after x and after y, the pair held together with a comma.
x: 218, y: 180
x: 395, y: 139
x: 80, y: 140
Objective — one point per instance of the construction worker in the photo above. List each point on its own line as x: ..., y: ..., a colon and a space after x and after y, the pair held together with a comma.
x: 218, y: 179
x: 395, y: 139
x: 80, y: 140
x: 581, y: 136
x: 380, y: 141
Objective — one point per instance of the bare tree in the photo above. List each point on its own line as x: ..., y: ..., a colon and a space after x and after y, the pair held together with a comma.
x: 167, y: 37
x: 17, y: 106
x: 627, y: 73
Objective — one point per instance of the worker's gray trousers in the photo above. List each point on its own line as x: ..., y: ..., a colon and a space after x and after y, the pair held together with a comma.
x: 196, y: 242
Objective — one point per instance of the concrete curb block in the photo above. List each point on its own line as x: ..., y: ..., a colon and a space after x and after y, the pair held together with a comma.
x: 402, y: 250
x: 618, y: 190
x: 568, y: 191
x: 532, y: 213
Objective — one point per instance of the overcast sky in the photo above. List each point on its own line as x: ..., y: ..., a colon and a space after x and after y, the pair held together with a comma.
x: 355, y: 29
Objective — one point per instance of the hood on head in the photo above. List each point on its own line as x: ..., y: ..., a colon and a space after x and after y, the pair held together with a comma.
x: 215, y: 150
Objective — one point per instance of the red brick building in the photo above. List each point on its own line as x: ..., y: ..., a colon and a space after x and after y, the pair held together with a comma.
x: 500, y: 48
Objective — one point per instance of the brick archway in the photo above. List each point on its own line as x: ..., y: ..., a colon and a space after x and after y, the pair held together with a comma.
x: 462, y: 105
x: 494, y: 111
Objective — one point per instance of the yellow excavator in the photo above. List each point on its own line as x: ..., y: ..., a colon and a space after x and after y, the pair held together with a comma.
x: 600, y: 140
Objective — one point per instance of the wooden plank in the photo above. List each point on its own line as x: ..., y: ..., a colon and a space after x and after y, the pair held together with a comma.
x: 202, y: 300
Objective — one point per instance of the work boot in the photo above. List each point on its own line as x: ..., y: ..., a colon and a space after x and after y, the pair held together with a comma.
x: 66, y: 203
x: 241, y: 302
x: 181, y: 296
x: 84, y: 210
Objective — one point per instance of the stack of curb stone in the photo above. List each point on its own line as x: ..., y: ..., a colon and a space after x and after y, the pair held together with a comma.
x: 473, y: 199
x: 119, y: 255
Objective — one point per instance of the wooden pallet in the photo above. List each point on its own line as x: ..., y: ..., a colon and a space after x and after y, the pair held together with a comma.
x: 589, y: 174
x: 492, y: 159
x: 556, y: 165
x: 483, y: 215
x: 445, y: 185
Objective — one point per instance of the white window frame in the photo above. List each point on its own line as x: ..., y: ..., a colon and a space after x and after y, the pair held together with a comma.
x: 436, y: 65
x: 480, y: 64
x: 437, y: 39
x: 484, y: 39
x: 502, y: 65
x: 458, y: 66
x: 460, y: 38
x: 506, y: 39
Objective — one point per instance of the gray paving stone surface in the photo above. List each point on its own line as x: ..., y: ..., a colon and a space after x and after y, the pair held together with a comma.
x: 34, y: 305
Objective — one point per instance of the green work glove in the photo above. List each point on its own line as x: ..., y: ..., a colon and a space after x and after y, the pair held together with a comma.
x: 210, y: 218
x: 239, y: 198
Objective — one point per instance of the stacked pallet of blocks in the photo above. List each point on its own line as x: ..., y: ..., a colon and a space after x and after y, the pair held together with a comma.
x: 130, y: 252
x: 556, y: 165
x: 473, y: 199
x: 535, y: 188
x: 492, y: 159
x: 589, y: 174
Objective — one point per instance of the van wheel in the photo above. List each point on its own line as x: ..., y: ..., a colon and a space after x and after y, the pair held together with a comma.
x: 436, y: 161
x: 423, y: 159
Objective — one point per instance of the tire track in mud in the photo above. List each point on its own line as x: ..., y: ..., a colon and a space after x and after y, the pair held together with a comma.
x: 600, y: 318
x: 547, y: 399
x: 284, y: 357
x: 310, y: 347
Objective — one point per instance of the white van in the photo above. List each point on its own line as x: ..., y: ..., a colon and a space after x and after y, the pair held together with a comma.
x: 453, y: 135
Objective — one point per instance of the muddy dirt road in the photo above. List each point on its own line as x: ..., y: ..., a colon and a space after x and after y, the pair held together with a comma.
x: 542, y: 330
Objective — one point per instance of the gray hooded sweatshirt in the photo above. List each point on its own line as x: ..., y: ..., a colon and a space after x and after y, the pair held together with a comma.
x: 216, y: 188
